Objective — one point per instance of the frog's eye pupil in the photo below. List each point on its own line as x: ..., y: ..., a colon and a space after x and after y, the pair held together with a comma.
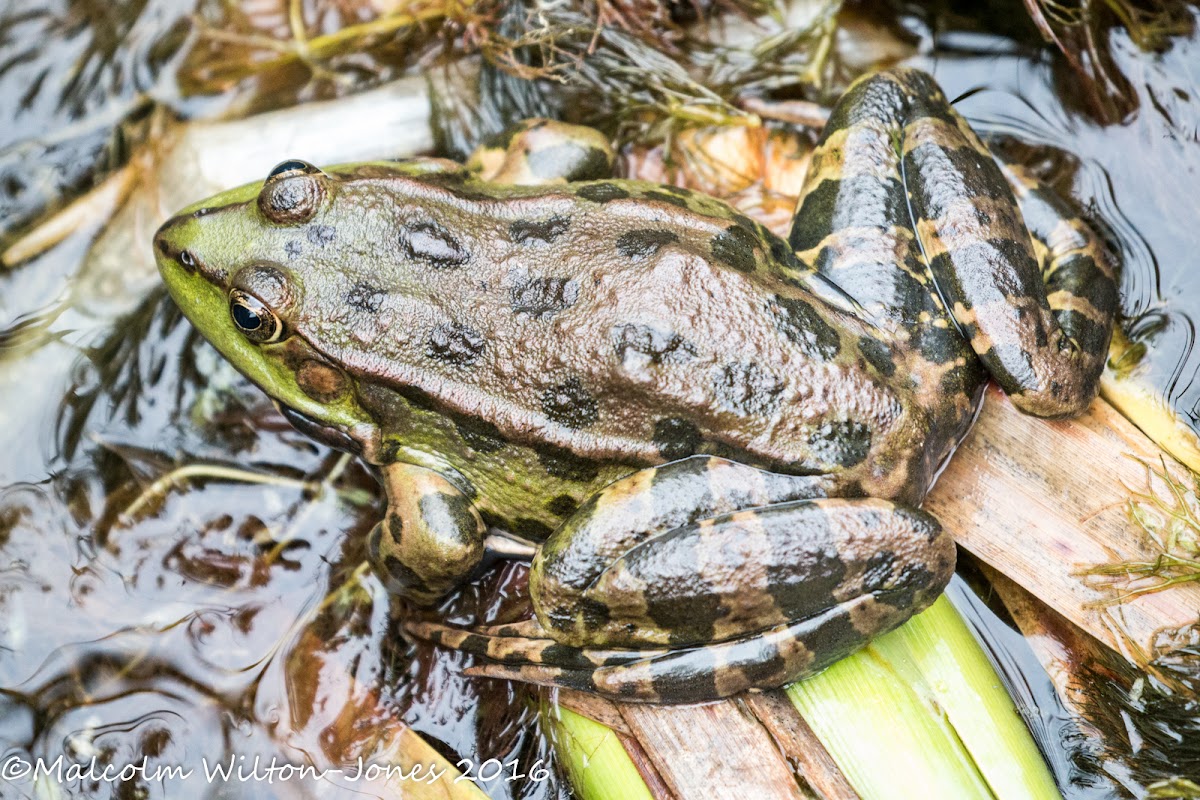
x: 246, y: 319
x: 253, y: 318
x: 292, y: 165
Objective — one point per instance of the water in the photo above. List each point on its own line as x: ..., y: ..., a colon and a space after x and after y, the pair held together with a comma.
x: 228, y: 618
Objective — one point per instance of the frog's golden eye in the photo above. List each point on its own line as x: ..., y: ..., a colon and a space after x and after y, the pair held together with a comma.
x: 253, y: 318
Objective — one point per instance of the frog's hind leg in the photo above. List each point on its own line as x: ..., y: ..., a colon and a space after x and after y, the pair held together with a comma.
x: 852, y: 227
x: 703, y: 578
x: 764, y: 659
x: 1077, y: 269
x: 1044, y: 344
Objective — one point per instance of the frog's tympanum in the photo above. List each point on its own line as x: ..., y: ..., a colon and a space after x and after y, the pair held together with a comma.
x: 718, y: 439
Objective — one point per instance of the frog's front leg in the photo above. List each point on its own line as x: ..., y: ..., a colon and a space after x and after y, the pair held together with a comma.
x: 703, y: 578
x: 431, y: 539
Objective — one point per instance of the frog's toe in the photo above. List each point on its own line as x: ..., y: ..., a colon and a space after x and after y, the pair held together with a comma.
x: 522, y: 644
x: 761, y: 660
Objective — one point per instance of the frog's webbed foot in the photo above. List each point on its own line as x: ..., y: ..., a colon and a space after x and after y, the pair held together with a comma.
x: 703, y: 578
x: 761, y: 660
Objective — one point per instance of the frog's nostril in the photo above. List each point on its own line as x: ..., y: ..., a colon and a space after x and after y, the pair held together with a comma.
x: 187, y: 260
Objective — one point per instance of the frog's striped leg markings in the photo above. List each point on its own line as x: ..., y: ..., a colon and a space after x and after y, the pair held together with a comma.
x: 570, y: 579
x: 536, y: 647
x: 852, y: 223
x: 1077, y: 268
x: 761, y: 660
x: 432, y: 538
x: 983, y: 261
x: 703, y: 578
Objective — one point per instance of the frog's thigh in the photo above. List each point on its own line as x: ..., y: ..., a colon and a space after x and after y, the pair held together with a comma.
x: 432, y: 537
x: 538, y: 151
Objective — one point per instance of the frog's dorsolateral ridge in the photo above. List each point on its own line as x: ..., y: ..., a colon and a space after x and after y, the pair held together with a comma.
x: 718, y: 437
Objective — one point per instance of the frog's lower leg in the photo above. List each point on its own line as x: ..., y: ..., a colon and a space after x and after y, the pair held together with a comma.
x: 1079, y: 274
x: 1044, y: 345
x: 703, y: 578
x: 902, y: 193
x: 432, y: 538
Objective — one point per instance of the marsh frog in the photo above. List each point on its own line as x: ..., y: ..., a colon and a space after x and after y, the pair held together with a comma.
x: 710, y: 441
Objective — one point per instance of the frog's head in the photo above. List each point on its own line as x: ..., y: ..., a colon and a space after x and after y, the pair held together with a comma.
x: 224, y: 262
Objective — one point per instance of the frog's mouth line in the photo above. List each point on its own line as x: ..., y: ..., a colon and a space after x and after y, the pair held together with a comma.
x: 325, y: 434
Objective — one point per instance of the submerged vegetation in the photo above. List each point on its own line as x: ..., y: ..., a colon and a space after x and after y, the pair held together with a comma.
x: 1078, y: 29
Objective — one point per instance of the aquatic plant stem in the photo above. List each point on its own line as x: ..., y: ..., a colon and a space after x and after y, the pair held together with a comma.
x: 594, y: 758
x: 921, y: 713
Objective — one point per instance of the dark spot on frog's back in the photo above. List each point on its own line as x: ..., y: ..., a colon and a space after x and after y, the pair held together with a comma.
x: 601, y: 192
x: 525, y: 231
x: 562, y: 463
x: 432, y: 244
x: 570, y: 404
x: 564, y: 505
x: 365, y: 297
x: 844, y: 442
x: 321, y: 235
x: 455, y: 343
x: 747, y: 388
x: 643, y: 243
x: 669, y: 194
x: 542, y: 296
x: 676, y: 438
x: 801, y: 324
x: 736, y: 248
x: 658, y: 346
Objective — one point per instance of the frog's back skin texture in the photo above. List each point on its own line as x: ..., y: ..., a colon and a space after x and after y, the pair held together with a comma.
x: 503, y: 353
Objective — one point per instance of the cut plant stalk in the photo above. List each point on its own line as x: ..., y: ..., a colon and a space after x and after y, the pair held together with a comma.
x: 595, y: 760
x: 921, y: 713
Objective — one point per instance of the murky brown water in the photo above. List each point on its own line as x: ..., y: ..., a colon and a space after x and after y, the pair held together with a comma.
x: 225, y: 618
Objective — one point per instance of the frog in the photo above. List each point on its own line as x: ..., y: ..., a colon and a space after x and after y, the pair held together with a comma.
x: 710, y: 443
